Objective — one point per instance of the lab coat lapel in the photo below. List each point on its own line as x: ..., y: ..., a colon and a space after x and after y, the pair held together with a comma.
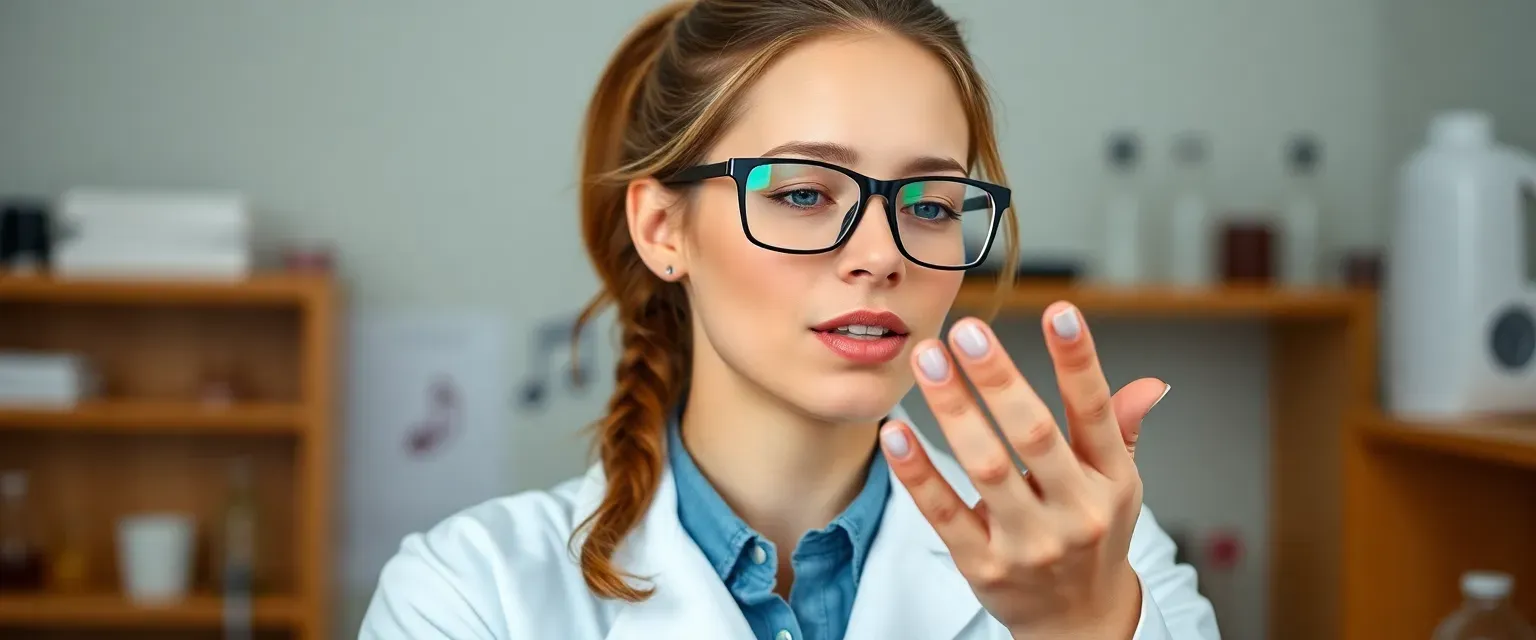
x: 689, y: 600
x: 910, y: 587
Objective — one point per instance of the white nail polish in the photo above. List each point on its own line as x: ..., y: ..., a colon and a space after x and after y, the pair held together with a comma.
x: 895, y: 442
x: 1065, y: 323
x: 933, y: 363
x: 971, y: 340
x: 1166, y: 389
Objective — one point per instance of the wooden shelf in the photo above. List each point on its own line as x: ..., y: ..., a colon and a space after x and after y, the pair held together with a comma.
x: 1161, y: 301
x: 141, y: 448
x: 158, y: 417
x: 115, y: 611
x: 1505, y: 441
x: 278, y: 289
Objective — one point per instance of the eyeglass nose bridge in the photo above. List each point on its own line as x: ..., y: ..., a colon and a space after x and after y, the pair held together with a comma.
x: 887, y: 191
x: 855, y: 217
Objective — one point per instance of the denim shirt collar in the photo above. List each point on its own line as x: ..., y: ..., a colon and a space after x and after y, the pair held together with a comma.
x: 726, y: 539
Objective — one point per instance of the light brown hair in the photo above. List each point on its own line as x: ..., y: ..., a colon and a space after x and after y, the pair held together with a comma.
x: 666, y: 96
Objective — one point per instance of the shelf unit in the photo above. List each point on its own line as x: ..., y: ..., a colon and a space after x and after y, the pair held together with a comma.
x: 147, y: 443
x: 1371, y: 519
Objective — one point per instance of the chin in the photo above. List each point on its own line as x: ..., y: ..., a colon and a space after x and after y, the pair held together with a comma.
x: 849, y: 396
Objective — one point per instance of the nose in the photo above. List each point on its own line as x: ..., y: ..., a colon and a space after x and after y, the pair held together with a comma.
x: 870, y: 254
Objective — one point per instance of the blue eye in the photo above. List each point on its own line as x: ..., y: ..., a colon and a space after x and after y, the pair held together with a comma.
x: 929, y: 210
x: 803, y: 198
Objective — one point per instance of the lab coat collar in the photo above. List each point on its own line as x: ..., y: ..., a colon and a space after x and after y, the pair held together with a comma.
x: 910, y: 587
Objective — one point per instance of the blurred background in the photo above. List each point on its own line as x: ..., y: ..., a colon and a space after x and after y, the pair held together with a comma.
x: 312, y: 268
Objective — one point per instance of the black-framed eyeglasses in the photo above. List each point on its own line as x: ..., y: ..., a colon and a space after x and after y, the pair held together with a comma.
x: 799, y: 206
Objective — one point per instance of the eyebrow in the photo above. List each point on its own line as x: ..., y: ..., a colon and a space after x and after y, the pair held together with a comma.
x: 845, y: 155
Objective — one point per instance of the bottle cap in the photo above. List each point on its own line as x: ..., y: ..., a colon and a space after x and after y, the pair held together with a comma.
x: 1486, y: 585
x: 1304, y: 154
x: 13, y: 484
x: 1124, y: 150
x: 1462, y: 128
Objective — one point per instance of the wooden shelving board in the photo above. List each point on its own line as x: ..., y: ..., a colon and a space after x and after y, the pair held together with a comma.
x: 158, y: 417
x: 116, y: 611
x: 279, y: 289
x: 978, y: 295
x: 1506, y: 441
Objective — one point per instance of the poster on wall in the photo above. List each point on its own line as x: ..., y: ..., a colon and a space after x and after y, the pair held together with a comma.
x: 428, y: 428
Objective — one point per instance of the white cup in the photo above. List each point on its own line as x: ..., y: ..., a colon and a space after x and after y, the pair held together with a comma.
x: 154, y: 553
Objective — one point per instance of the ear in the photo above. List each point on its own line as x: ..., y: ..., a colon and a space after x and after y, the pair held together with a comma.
x: 652, y: 209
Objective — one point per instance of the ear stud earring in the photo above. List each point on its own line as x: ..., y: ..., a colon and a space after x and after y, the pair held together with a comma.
x: 669, y: 269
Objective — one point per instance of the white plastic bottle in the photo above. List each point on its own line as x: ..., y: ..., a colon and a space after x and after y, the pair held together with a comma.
x: 1485, y: 613
x: 1191, y: 253
x: 1124, y: 257
x: 1458, y: 307
x: 1300, y: 216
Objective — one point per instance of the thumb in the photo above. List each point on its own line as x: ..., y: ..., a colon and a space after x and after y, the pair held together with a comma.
x: 1132, y: 403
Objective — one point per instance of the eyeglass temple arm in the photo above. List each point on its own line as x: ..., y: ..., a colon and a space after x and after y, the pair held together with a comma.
x: 700, y: 172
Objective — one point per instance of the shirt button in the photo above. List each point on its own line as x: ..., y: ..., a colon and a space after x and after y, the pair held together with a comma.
x: 758, y: 557
x: 784, y: 635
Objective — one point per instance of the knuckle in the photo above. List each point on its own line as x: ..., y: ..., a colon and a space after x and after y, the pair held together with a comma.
x: 1037, y: 438
x: 1096, y: 407
x: 1077, y: 358
x: 993, y: 376
x: 1044, y: 553
x: 1092, y: 529
x: 940, y: 510
x: 943, y: 512
x: 1128, y: 494
x: 993, y: 574
x: 994, y: 469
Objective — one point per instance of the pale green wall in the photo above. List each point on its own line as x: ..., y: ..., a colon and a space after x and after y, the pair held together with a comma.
x: 435, y: 142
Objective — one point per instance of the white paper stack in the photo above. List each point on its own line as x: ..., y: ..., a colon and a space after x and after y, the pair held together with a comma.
x: 44, y: 379
x: 114, y: 232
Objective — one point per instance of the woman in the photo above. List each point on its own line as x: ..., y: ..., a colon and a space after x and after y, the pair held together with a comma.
x: 776, y: 197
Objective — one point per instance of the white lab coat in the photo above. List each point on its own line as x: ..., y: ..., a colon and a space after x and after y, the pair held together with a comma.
x: 503, y: 570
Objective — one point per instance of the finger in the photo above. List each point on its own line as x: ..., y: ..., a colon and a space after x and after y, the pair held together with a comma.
x: 961, y: 529
x: 1024, y: 418
x: 1090, y: 412
x: 1132, y: 404
x: 976, y: 447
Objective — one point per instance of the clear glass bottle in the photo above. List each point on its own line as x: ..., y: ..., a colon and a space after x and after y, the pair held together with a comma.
x: 1485, y: 613
x: 1124, y: 259
x: 1301, y: 217
x: 1191, y: 255
x: 22, y: 565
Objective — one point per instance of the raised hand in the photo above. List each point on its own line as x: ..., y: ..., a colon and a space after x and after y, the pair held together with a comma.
x: 1045, y: 551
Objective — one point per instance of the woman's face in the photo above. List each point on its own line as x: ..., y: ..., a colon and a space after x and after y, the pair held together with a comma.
x: 876, y: 104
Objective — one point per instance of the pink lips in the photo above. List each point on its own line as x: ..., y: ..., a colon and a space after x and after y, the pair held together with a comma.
x: 864, y: 349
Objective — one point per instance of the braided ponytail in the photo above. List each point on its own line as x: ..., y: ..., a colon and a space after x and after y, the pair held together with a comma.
x: 652, y: 314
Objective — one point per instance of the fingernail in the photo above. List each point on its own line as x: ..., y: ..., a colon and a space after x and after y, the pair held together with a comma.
x: 1065, y: 323
x: 1166, y: 388
x: 971, y: 340
x: 895, y: 442
x: 933, y: 363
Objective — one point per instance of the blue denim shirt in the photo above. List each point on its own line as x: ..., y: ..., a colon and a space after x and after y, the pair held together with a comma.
x: 826, y: 563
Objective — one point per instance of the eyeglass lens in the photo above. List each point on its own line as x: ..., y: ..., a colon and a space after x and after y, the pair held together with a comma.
x: 803, y: 207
